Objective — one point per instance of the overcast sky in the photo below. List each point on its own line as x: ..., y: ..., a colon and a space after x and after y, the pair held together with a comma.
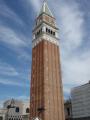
x: 16, y: 23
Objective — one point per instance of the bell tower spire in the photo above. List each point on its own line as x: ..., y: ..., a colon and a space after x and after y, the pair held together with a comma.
x: 45, y: 9
x: 45, y: 26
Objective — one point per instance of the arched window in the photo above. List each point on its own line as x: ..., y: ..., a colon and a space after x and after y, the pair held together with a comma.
x: 27, y: 110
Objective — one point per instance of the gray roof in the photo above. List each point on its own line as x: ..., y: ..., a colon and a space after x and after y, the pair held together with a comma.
x: 45, y: 9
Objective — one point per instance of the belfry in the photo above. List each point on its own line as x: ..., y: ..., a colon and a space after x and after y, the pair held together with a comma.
x: 46, y: 94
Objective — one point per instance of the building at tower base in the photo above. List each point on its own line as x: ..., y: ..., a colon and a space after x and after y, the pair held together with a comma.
x: 81, y: 102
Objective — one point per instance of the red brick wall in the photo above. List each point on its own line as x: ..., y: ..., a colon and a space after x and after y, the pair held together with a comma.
x: 46, y: 84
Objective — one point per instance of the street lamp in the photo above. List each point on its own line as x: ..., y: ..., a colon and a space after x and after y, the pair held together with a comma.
x: 40, y: 110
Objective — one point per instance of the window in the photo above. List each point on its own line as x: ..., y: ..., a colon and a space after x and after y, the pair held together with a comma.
x: 51, y: 32
x: 46, y: 29
x: 41, y: 30
x: 38, y: 33
x: 1, y: 118
x: 27, y: 110
x: 54, y: 33
x: 68, y: 111
x: 17, y: 109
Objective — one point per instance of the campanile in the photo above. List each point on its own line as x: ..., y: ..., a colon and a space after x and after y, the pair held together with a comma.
x: 46, y: 94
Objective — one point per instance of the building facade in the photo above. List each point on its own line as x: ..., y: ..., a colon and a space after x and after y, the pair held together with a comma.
x: 68, y: 109
x: 3, y: 113
x: 81, y: 102
x: 16, y: 110
x: 46, y: 94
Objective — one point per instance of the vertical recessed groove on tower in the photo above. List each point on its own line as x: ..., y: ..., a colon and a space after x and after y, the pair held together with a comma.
x: 56, y: 81
x: 48, y: 79
x: 61, y: 87
x: 52, y: 79
x: 43, y: 88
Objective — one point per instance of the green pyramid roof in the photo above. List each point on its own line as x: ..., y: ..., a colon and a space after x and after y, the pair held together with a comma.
x: 45, y: 9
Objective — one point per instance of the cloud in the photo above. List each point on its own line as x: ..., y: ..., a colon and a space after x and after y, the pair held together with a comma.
x: 25, y: 56
x: 13, y: 82
x: 10, y: 76
x: 67, y: 90
x: 9, y: 82
x: 77, y: 70
x: 15, y: 41
x: 8, y: 13
x: 36, y: 4
x: 70, y: 20
x: 74, y: 58
x: 24, y: 98
x: 7, y: 70
x: 14, y: 38
x: 8, y: 36
x: 1, y: 104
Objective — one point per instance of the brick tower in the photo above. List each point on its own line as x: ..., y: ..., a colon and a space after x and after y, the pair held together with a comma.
x: 46, y: 95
